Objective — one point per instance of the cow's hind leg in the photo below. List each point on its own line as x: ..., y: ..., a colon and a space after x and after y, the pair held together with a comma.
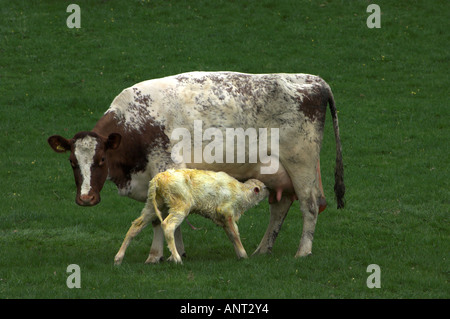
x: 138, y: 224
x: 310, y: 210
x: 278, y: 212
x: 306, y: 186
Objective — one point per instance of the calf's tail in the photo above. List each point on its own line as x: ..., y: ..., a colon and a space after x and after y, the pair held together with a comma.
x: 152, y: 193
x: 339, y: 187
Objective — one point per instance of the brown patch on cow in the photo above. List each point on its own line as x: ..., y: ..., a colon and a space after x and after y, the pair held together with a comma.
x: 131, y: 156
x: 312, y: 103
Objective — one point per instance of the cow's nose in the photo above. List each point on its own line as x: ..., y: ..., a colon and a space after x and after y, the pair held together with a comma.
x: 87, y: 199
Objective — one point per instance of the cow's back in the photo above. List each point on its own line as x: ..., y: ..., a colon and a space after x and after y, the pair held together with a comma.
x: 219, y: 99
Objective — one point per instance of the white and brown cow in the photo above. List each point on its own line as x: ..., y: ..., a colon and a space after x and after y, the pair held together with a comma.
x: 133, y: 141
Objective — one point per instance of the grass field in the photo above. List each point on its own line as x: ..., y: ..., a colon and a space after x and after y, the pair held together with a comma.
x: 391, y: 86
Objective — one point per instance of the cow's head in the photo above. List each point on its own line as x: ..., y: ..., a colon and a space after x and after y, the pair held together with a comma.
x: 89, y: 159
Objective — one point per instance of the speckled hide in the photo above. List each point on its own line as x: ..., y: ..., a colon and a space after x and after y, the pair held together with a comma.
x: 281, y: 115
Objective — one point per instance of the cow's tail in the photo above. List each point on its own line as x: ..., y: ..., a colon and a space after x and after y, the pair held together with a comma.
x: 152, y: 193
x: 339, y: 187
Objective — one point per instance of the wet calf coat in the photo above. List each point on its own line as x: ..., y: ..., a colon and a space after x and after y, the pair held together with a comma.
x: 214, y: 195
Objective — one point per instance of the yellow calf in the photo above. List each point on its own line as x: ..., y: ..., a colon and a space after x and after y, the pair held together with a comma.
x: 214, y: 195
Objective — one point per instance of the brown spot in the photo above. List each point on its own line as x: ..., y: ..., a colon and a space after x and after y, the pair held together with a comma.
x: 314, y: 103
x: 142, y: 99
x: 131, y: 155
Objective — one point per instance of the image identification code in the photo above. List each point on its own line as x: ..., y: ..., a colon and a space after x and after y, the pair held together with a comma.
x: 238, y: 308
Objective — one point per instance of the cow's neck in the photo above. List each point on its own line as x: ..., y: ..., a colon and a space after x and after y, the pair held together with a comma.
x: 130, y: 157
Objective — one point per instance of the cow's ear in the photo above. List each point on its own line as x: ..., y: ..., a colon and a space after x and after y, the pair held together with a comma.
x: 113, y: 141
x: 59, y: 144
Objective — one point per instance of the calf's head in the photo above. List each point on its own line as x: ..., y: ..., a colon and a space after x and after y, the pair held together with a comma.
x: 89, y: 154
x: 258, y: 190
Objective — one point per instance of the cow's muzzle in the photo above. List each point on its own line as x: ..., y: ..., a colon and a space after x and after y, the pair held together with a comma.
x: 88, y: 200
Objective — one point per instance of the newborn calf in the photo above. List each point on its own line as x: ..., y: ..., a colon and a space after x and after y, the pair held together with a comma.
x: 214, y: 195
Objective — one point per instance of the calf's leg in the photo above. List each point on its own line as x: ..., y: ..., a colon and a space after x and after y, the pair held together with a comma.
x: 172, y: 222
x: 232, y: 231
x: 157, y: 248
x: 138, y: 224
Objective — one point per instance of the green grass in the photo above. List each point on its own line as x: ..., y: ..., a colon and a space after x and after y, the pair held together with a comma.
x: 391, y: 89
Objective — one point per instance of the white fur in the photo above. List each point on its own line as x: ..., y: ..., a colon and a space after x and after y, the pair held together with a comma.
x: 84, y: 152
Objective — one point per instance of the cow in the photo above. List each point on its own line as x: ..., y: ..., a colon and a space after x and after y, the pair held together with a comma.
x: 134, y: 140
x: 216, y: 196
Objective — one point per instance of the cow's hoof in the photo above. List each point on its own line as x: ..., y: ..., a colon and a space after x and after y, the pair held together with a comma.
x: 154, y: 259
x: 303, y: 254
x: 262, y: 251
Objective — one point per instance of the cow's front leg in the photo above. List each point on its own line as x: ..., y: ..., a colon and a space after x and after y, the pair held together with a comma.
x: 157, y: 248
x: 278, y: 212
x: 179, y: 242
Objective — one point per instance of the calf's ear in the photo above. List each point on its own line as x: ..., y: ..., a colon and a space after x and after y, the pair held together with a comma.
x: 113, y: 141
x: 59, y: 144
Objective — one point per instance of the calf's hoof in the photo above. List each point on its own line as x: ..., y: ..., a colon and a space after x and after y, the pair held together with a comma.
x: 118, y: 260
x: 175, y: 260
